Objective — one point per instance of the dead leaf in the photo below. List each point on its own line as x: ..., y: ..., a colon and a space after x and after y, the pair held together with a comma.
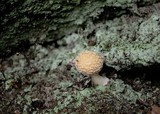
x: 155, y: 110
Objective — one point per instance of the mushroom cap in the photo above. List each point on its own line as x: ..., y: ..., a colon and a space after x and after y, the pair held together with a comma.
x: 88, y: 62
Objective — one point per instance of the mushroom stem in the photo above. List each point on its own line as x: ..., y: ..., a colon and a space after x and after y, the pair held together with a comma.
x: 96, y: 79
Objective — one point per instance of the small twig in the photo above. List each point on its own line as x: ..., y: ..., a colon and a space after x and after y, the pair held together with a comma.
x: 3, y: 74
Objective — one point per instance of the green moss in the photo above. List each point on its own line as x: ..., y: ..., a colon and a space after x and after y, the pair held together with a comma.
x: 124, y: 41
x: 26, y: 20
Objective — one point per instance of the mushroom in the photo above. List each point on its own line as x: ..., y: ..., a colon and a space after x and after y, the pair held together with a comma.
x: 90, y: 63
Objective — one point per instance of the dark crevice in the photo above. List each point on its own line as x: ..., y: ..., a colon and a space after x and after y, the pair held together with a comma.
x: 107, y: 71
x: 110, y: 13
x: 141, y: 3
x: 21, y: 47
x: 145, y: 73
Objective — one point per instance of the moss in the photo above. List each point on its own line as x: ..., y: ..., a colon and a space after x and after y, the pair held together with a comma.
x: 26, y: 20
x: 125, y: 42
x: 62, y: 89
x: 49, y: 84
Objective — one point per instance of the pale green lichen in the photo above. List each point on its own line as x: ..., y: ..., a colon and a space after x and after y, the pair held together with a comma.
x: 124, y: 41
x: 48, y: 20
x: 114, y: 91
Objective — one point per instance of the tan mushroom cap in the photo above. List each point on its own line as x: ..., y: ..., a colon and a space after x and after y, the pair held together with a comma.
x: 88, y: 62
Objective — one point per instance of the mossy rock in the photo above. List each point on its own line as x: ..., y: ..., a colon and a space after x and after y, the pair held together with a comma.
x: 49, y: 20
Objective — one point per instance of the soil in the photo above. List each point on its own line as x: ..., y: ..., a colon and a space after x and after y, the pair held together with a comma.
x: 29, y: 88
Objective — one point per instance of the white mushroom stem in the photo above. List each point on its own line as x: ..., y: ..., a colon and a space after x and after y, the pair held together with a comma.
x: 99, y: 80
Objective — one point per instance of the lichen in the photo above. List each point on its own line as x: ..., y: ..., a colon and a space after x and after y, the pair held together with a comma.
x: 42, y: 80
x: 29, y: 20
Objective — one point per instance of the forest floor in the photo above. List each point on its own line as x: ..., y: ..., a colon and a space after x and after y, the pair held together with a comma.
x: 41, y: 80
